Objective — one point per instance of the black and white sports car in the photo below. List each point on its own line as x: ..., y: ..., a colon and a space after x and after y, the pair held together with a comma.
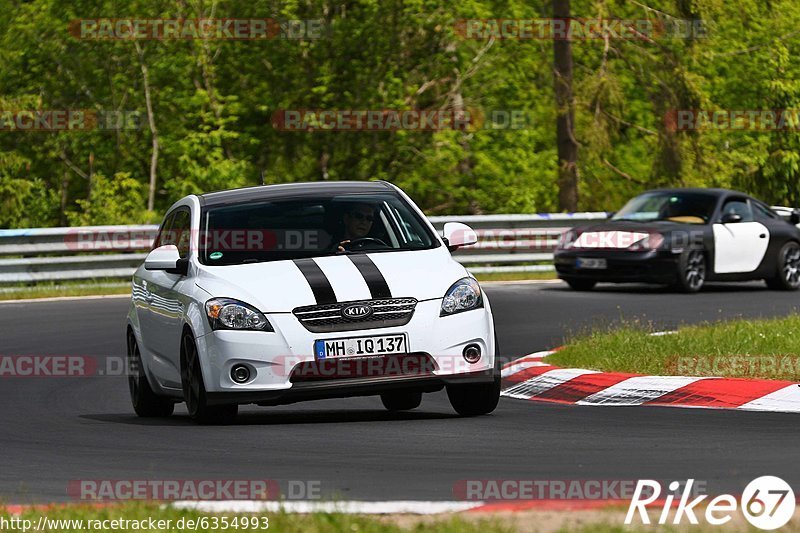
x: 683, y: 238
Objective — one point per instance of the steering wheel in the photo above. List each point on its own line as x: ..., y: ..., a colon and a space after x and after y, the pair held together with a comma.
x: 363, y: 242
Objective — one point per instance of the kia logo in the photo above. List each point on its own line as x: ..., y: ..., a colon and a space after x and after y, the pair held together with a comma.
x: 357, y: 311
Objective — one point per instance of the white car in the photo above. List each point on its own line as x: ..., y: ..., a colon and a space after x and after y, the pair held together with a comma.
x: 282, y: 293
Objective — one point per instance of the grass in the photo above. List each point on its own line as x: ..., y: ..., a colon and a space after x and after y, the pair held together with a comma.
x: 281, y: 522
x: 180, y: 521
x: 66, y: 288
x: 767, y: 348
x: 516, y: 276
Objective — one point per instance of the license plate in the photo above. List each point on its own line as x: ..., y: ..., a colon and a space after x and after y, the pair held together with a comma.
x: 361, y: 346
x: 591, y: 263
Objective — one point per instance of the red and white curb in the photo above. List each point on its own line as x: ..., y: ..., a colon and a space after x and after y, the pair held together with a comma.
x: 412, y: 507
x: 342, y: 507
x: 396, y: 507
x: 530, y: 378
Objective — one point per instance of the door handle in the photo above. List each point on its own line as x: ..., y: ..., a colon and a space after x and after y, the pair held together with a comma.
x: 762, y: 236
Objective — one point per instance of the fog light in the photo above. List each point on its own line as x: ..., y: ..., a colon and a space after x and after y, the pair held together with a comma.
x: 472, y: 353
x: 240, y: 374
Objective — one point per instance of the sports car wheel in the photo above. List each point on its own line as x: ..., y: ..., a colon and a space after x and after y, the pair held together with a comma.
x: 474, y: 399
x: 194, y: 389
x: 581, y: 284
x: 146, y: 403
x: 401, y: 401
x: 691, y: 271
x: 788, y: 275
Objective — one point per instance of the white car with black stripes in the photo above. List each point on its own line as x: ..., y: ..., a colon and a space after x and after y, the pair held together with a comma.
x: 283, y: 293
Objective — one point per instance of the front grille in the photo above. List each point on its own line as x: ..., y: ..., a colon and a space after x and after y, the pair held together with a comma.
x: 328, y: 318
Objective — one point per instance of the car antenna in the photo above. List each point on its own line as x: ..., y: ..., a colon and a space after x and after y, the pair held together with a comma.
x: 262, y: 178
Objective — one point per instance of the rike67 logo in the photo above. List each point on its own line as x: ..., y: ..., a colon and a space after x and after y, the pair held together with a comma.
x: 767, y: 503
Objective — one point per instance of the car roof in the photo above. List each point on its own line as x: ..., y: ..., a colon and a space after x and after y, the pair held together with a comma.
x: 292, y: 190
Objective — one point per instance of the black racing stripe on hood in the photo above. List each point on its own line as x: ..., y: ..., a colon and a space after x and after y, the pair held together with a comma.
x: 316, y: 278
x: 378, y: 287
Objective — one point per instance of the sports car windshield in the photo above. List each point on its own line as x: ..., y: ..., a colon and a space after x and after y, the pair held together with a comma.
x: 274, y: 230
x: 683, y: 207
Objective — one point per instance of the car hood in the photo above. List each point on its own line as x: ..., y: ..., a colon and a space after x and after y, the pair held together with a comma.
x: 661, y: 226
x: 280, y: 286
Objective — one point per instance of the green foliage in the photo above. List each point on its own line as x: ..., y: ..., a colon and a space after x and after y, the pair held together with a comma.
x: 111, y: 201
x: 212, y: 102
x: 25, y: 203
x: 737, y: 348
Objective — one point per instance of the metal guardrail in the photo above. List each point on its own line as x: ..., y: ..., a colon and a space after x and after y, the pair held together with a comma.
x: 506, y: 243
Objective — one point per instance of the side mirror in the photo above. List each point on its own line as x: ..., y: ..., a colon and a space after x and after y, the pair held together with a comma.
x: 457, y: 234
x: 610, y: 214
x: 794, y: 218
x: 731, y: 218
x: 166, y: 258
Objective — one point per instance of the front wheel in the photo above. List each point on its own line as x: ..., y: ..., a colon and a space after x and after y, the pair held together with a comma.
x: 146, y: 403
x: 787, y: 277
x: 474, y: 399
x: 691, y: 274
x: 194, y: 389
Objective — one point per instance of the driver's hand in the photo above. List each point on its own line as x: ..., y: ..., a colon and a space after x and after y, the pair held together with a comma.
x: 341, y: 246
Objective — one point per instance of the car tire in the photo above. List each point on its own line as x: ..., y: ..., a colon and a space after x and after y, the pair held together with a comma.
x: 146, y: 403
x: 194, y: 389
x: 692, y: 269
x: 581, y: 284
x: 474, y: 399
x: 787, y: 277
x: 401, y: 401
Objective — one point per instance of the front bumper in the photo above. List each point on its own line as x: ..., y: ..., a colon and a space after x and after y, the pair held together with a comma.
x: 654, y: 266
x: 274, y: 358
x: 346, y: 388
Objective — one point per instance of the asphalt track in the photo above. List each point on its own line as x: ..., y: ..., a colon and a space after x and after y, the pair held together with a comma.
x: 56, y: 430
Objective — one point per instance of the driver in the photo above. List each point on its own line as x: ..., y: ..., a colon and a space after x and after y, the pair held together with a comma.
x: 357, y: 222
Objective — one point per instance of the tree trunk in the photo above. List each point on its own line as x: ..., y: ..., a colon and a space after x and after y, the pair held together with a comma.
x: 565, y: 115
x: 62, y: 218
x: 151, y: 194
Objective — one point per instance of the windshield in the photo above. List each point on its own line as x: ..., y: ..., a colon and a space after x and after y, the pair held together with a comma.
x: 684, y: 207
x: 317, y: 226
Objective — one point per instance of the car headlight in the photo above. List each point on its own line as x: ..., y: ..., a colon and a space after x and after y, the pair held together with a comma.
x: 227, y: 313
x: 464, y: 295
x: 567, y: 239
x: 653, y: 241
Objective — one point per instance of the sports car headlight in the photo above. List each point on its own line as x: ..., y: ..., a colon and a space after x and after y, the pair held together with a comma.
x: 227, y: 313
x: 652, y: 242
x: 567, y: 239
x: 464, y: 295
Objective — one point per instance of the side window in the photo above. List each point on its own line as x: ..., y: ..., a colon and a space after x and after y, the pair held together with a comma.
x: 162, y: 237
x: 763, y: 212
x: 181, y: 232
x: 739, y: 207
